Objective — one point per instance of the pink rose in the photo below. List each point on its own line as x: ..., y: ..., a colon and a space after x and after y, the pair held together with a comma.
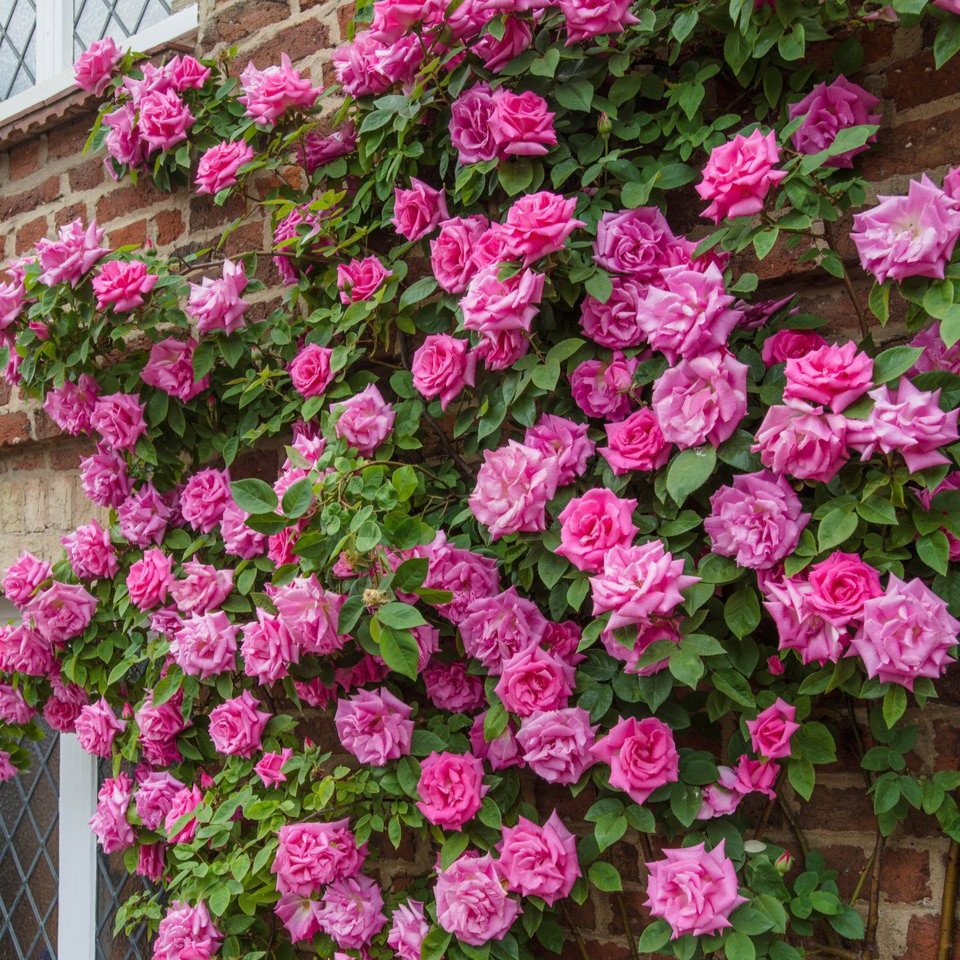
x: 71, y: 405
x: 827, y: 109
x: 204, y: 498
x: 513, y: 487
x: 806, y: 444
x: 533, y: 681
x: 104, y: 478
x: 841, y: 586
x: 936, y: 354
x: 268, y: 94
x: 205, y: 645
x: 170, y: 369
x: 539, y: 861
x: 123, y: 141
x: 499, y: 627
x: 800, y: 626
x: 693, y: 890
x: 63, y: 707
x: 635, y: 443
x: 491, y: 304
x: 451, y: 789
x: 143, y: 517
x: 417, y: 211
x: 13, y: 708
x: 270, y: 767
x: 564, y: 440
x: 471, y: 901
x: 556, y: 744
x: 374, y: 726
x: 738, y: 176
x: 186, y: 73
x: 159, y: 727
x: 755, y: 776
x: 451, y: 252
x: 311, y: 614
x: 96, y: 727
x: 151, y: 861
x: 90, y: 552
x: 408, y: 930
x: 630, y: 644
x: 442, y: 367
x: 360, y: 279
x: 538, y: 224
x: 586, y: 19
x: 61, y: 612
x: 829, y: 376
x: 352, y: 911
x: 451, y: 688
x: 501, y: 349
x: 268, y: 649
x: 218, y: 304
x: 522, y: 124
x: 23, y: 577
x: 239, y: 540
x: 236, y: 726
x: 502, y: 752
x: 615, y: 323
x: 790, y: 343
x: 184, y: 802
x: 357, y: 65
x: 310, y: 371
x: 26, y: 650
x: 164, y: 120
x: 634, y: 242
x: 71, y: 255
x: 310, y: 855
x: 496, y: 52
x: 365, y: 420
x: 590, y: 525
x: 217, y: 169
x: 118, y: 418
x: 186, y: 931
x: 473, y: 125
x: 94, y: 67
x: 316, y: 150
x: 202, y: 588
x: 641, y: 754
x: 772, y: 729
x: 603, y: 389
x: 757, y: 521
x: 109, y: 823
x: 122, y: 285
x: 155, y: 793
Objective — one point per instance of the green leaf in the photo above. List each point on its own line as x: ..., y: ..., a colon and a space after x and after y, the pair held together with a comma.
x: 253, y: 496
x: 515, y: 176
x: 848, y: 923
x: 738, y: 946
x: 742, y: 611
x: 297, y: 498
x: 417, y: 292
x: 735, y: 686
x: 410, y: 574
x: 934, y: 550
x: 894, y: 704
x: 400, y: 616
x: 404, y: 481
x: 400, y: 651
x: 947, y: 41
x: 654, y: 936
x: 575, y: 95
x: 605, y: 877
x: 434, y: 946
x: 893, y: 363
x: 802, y: 776
x: 423, y: 743
x: 836, y: 526
x: 685, y: 802
x: 609, y: 829
x: 690, y: 470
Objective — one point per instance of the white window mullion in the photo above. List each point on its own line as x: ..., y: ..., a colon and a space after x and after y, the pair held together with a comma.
x: 54, y: 38
x: 77, y: 891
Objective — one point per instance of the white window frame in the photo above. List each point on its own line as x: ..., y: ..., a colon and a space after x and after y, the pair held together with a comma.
x: 54, y: 46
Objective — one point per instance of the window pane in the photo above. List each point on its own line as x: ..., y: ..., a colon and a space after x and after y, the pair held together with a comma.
x: 95, y: 19
x: 18, y: 58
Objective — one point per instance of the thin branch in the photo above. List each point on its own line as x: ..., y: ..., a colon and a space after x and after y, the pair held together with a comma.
x: 847, y: 283
x: 628, y: 927
x: 949, y: 903
x: 873, y: 911
x: 768, y: 809
x: 581, y: 946
x: 794, y: 826
x: 829, y: 951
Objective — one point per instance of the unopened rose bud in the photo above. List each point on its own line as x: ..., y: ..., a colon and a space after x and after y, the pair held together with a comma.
x: 775, y: 665
x: 604, y: 126
x: 374, y: 598
x: 784, y: 863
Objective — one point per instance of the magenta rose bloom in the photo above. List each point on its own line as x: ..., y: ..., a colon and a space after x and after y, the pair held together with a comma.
x: 70, y: 406
x: 270, y: 767
x: 122, y: 285
x: 186, y: 73
x: 806, y: 444
x: 96, y: 727
x: 159, y: 727
x: 451, y: 789
x: 603, y: 389
x: 204, y: 498
x: 351, y: 911
x: 538, y: 224
x: 13, y: 708
x: 472, y: 125
x: 71, y: 255
x: 635, y: 443
x: 827, y: 109
x: 360, y: 279
x: 501, y: 349
x: 533, y: 681
x: 539, y: 861
x: 186, y: 931
x: 451, y: 252
x: 564, y: 440
x: 911, y: 236
x: 22, y: 578
x: 502, y: 752
x: 310, y: 855
x: 268, y: 94
x: 310, y: 371
x: 104, y: 478
x: 90, y: 552
x: 365, y: 420
x: 513, y: 487
x: 239, y: 540
x: 641, y: 754
x: 586, y: 19
x: 451, y: 688
x: 556, y: 744
x: 417, y: 211
x: 109, y: 822
x: 590, y: 525
x: 936, y: 354
x: 155, y: 793
x: 268, y: 648
x: 522, y: 124
x: 634, y: 242
x: 801, y: 627
x: 408, y: 930
x: 491, y: 304
x: 472, y: 903
x: 236, y: 726
x: 118, y: 418
x: 170, y: 369
x: 205, y: 645
x: 164, y: 120
x: 442, y: 366
x: 495, y: 52
x: 757, y: 521
x: 316, y: 150
x: 616, y: 323
x: 630, y: 644
x: 772, y: 729
x: 218, y: 304
x: 907, y: 633
x: 61, y: 612
x: 144, y: 516
x: 790, y: 343
x: 496, y: 628
x: 693, y: 890
x: 738, y: 176
x: 184, y: 802
x: 374, y: 726
x: 829, y: 376
x: 217, y: 169
x: 638, y: 584
x: 94, y: 67
x: 841, y: 585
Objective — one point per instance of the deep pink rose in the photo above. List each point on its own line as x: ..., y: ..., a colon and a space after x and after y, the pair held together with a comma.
x: 184, y: 802
x: 738, y: 176
x: 631, y: 643
x: 502, y: 752
x: 316, y: 150
x: 170, y: 369
x: 164, y: 120
x: 564, y: 440
x: 538, y: 224
x: 204, y: 498
x: 118, y: 418
x: 90, y: 552
x: 109, y: 822
x: 590, y: 525
x: 218, y: 304
x: 270, y: 767
x: 491, y: 304
x: 310, y: 371
x: 829, y: 376
x: 365, y: 420
x: 408, y: 930
x: 841, y: 586
x: 451, y: 251
x: 772, y: 729
x: 635, y: 443
x: 472, y: 124
x: 451, y: 688
x: 790, y: 343
x: 155, y: 793
x: 72, y: 254
x: 805, y: 444
x: 144, y: 516
x: 496, y: 628
x: 310, y: 855
x: 267, y: 94
x: 442, y: 366
x: 451, y: 789
x: 61, y: 612
x: 634, y: 242
x: 13, y: 708
x: 417, y: 211
x: 236, y: 726
x: 827, y: 109
x: 22, y: 578
x: 186, y: 933
x: 71, y: 405
x: 268, y: 648
x: 522, y: 124
x: 186, y: 72
x: 533, y: 681
x: 360, y: 279
x: 616, y: 322
x: 94, y: 67
x: 586, y: 19
x: 104, y: 478
x: 374, y: 726
x: 122, y: 285
x: 205, y: 645
x: 501, y: 349
x: 604, y: 388
x: 641, y: 754
x: 472, y: 903
x: 539, y: 861
x: 96, y: 727
x: 217, y: 169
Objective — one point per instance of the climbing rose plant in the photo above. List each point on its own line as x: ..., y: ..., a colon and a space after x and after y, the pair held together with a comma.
x: 564, y: 509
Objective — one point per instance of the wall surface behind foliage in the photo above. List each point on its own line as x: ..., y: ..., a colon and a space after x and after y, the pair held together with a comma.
x: 45, y: 181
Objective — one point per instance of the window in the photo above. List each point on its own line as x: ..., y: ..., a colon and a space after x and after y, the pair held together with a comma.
x: 41, y: 39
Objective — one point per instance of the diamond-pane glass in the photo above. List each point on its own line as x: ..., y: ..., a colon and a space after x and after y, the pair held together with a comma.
x: 29, y: 806
x: 18, y: 51
x: 95, y: 19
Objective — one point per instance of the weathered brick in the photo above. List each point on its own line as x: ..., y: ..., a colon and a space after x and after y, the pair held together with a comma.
x: 125, y: 200
x: 14, y: 428
x: 86, y: 175
x: 69, y: 212
x: 135, y: 232
x: 29, y: 234
x: 169, y: 226
x: 43, y: 427
x: 240, y: 21
x: 906, y: 874
x: 24, y: 159
x: 45, y: 192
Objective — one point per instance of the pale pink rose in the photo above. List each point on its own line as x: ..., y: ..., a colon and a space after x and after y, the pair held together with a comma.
x: 806, y: 444
x: 96, y: 727
x: 352, y: 911
x: 471, y: 901
x: 310, y: 371
x: 491, y: 304
x: 539, y: 861
x: 841, y: 586
x: 513, y: 487
x: 451, y: 251
x: 695, y: 891
x: 635, y: 443
x: 205, y: 645
x: 61, y: 612
x: 13, y: 708
x: 800, y: 626
x: 236, y: 726
x: 499, y: 627
x: 631, y: 643
x: 417, y: 211
x: 556, y: 744
x: 757, y: 521
x: 590, y: 525
x: 501, y: 349
x: 374, y: 726
x: 186, y: 72
x: 442, y: 367
x: 615, y: 323
x: 94, y: 67
x: 473, y: 125
x: 71, y: 405
x: 360, y: 279
x: 829, y: 376
x: 408, y: 930
x: 268, y: 94
x: 118, y: 418
x: 538, y: 224
x: 301, y: 917
x: 451, y: 688
x: 467, y: 575
x: 634, y: 242
x: 451, y: 789
x: 218, y: 304
x: 164, y: 120
x: 90, y: 552
x: 155, y: 793
x: 270, y: 767
x: 721, y: 798
x: 122, y: 285
x: 365, y: 420
x: 772, y: 729
x: 911, y: 236
x: 641, y: 754
x: 585, y: 19
x: 170, y: 369
x: 144, y: 516
x: 907, y: 633
x: 490, y: 247
x: 787, y: 344
x: 638, y: 584
x: 564, y: 440
x: 604, y: 388
x: 502, y: 752
x: 186, y: 932
x: 310, y: 855
x: 217, y: 169
x: 827, y: 109
x: 22, y: 578
x: 109, y: 822
x: 72, y: 254
x: 268, y: 649
x: 533, y: 681
x: 738, y: 176
x: 239, y: 540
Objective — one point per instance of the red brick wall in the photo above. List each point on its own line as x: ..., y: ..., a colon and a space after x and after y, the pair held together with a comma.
x: 45, y: 181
